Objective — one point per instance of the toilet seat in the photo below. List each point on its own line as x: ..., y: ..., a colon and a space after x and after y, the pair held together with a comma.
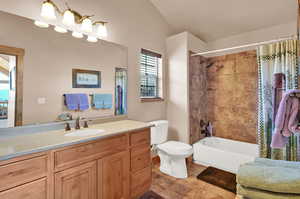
x: 176, y: 148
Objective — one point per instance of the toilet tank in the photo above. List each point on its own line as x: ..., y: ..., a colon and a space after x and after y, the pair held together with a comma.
x: 159, y: 132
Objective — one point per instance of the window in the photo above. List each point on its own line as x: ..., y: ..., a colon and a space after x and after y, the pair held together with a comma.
x: 150, y: 70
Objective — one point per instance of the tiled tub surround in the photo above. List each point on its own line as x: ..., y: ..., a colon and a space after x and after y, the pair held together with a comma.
x: 231, y: 96
x: 197, y: 95
x: 37, y: 142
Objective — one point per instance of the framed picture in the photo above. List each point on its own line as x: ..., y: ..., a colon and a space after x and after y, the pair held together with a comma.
x: 86, y: 78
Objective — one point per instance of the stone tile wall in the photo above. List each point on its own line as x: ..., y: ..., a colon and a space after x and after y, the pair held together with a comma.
x: 197, y: 95
x: 231, y: 95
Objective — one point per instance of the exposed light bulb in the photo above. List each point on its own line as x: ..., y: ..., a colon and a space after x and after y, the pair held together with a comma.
x: 77, y: 34
x: 87, y: 25
x: 92, y: 39
x: 48, y: 10
x: 41, y: 24
x: 102, y: 30
x: 68, y: 18
x: 60, y: 29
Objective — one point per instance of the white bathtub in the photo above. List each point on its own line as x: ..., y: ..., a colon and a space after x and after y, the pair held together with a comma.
x: 224, y: 154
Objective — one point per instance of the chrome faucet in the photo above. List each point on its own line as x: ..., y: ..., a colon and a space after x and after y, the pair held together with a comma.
x: 85, y: 124
x: 67, y: 127
x: 77, y: 123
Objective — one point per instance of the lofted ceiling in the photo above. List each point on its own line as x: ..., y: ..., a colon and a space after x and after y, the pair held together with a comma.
x: 215, y: 19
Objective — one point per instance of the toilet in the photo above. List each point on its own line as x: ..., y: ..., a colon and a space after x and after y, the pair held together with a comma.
x: 172, y: 154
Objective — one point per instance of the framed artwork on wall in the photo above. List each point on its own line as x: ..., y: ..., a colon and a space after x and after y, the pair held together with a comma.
x: 86, y: 78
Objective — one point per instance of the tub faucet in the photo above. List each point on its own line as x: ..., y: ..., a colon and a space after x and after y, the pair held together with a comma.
x: 206, y: 128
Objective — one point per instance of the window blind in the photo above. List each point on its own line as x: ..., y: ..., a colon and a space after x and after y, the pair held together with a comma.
x: 149, y: 73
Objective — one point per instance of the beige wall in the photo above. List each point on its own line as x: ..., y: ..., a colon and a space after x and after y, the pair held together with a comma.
x: 178, y: 47
x: 265, y: 34
x: 135, y: 24
x: 177, y: 112
x: 195, y: 44
x: 48, y: 62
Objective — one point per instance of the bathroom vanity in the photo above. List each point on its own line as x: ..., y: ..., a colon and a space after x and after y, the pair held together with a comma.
x: 112, y: 165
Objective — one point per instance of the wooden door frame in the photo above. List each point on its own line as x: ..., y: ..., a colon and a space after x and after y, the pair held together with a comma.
x: 19, y: 53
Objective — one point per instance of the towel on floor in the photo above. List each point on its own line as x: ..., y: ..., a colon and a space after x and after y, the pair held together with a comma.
x: 260, y: 194
x: 269, y: 178
x: 102, y: 101
x: 286, y: 122
x: 77, y: 101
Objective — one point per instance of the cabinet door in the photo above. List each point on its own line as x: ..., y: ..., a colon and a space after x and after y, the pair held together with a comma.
x: 113, y: 176
x: 77, y: 182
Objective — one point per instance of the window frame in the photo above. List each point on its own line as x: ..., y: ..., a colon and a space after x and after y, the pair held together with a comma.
x: 158, y: 96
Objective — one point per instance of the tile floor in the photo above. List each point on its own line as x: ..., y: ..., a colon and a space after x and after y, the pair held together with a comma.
x: 190, y: 188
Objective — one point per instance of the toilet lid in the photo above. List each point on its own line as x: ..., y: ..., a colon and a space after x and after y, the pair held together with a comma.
x: 176, y: 148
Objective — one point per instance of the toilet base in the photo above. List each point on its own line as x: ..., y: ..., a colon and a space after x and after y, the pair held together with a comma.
x: 174, y: 166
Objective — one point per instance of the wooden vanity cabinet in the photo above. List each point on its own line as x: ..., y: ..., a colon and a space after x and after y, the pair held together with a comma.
x: 118, y: 167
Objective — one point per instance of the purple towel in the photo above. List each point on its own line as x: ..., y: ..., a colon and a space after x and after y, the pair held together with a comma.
x: 77, y: 101
x: 72, y: 101
x: 83, y: 101
x: 286, y: 122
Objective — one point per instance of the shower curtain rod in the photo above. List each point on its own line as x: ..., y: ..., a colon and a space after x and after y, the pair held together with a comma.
x: 246, y: 46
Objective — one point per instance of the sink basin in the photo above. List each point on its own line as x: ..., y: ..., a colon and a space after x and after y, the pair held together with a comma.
x: 84, y: 132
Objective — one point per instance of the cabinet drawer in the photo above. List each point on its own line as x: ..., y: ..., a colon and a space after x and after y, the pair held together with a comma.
x: 77, y: 154
x: 32, y: 190
x: 21, y: 172
x: 140, y: 182
x: 140, y: 158
x: 140, y: 137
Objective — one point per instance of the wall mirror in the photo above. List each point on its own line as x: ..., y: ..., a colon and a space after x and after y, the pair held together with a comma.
x: 36, y: 67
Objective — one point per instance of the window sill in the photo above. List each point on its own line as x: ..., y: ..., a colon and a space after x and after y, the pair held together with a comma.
x: 154, y: 99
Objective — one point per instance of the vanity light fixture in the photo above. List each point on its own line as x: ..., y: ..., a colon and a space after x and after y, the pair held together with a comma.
x: 48, y: 10
x: 78, y: 35
x: 87, y: 25
x: 41, y: 24
x: 60, y: 29
x: 101, y: 30
x: 70, y: 20
x: 92, y: 39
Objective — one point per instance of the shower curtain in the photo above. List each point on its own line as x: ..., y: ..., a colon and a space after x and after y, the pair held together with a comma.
x: 121, y: 91
x: 275, y: 58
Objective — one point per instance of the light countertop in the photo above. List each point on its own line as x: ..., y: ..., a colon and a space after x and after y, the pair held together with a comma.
x: 32, y: 143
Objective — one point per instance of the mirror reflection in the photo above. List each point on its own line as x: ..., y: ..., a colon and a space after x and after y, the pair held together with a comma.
x: 7, y: 90
x: 50, y: 77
